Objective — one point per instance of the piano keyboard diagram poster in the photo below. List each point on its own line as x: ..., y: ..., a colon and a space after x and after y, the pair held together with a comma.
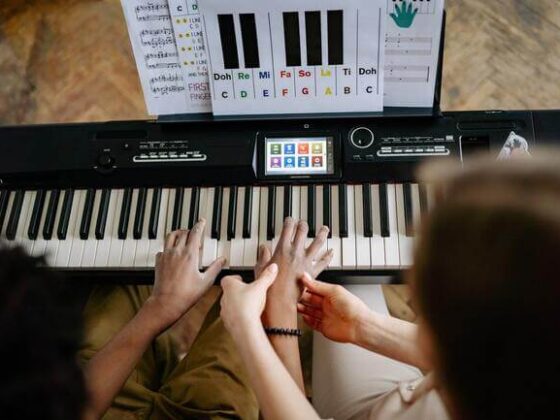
x: 295, y: 56
x: 412, y: 47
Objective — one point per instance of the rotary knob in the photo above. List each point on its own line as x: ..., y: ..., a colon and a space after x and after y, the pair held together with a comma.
x: 105, y: 160
x: 362, y: 137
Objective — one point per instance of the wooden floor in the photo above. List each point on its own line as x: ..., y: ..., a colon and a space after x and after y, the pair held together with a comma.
x: 70, y: 60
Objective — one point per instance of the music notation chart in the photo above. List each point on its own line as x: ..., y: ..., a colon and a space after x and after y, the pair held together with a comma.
x: 412, y: 51
x: 295, y: 57
x: 153, y: 44
x: 187, y: 25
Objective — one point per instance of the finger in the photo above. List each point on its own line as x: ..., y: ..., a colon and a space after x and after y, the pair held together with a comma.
x: 267, y: 277
x: 214, y: 269
x: 318, y: 242
x: 301, y: 234
x: 307, y: 310
x: 309, y: 299
x: 312, y: 322
x: 263, y: 258
x: 322, y: 263
x: 316, y: 286
x: 181, y: 240
x: 230, y: 281
x: 287, y: 232
x: 195, y: 236
x: 170, y: 239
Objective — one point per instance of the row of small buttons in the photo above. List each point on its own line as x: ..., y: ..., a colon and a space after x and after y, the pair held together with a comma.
x: 430, y: 150
x: 167, y: 145
x: 170, y: 155
x: 359, y: 158
x: 447, y: 139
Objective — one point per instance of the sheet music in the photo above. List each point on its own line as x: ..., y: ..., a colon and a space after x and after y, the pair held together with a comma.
x: 291, y: 56
x: 187, y: 25
x: 153, y: 44
x: 412, y: 47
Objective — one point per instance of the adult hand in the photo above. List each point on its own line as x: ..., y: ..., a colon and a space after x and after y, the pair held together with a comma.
x: 332, y: 310
x: 243, y: 304
x: 294, y: 259
x: 179, y: 283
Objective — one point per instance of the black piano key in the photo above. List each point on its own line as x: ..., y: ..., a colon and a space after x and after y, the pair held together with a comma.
x: 154, y: 214
x: 15, y: 213
x: 87, y: 214
x: 101, y: 222
x: 292, y: 39
x: 368, y: 222
x: 249, y: 38
x: 423, y: 198
x: 4, y: 199
x: 407, y: 193
x: 327, y: 210
x: 217, y: 213
x: 384, y: 211
x: 247, y: 213
x: 287, y: 201
x: 195, y: 204
x: 62, y: 230
x: 311, y: 209
x: 140, y: 211
x: 270, y: 214
x: 124, y: 217
x: 228, y: 41
x: 232, y: 213
x: 50, y: 217
x: 343, y: 210
x: 313, y: 37
x: 335, y: 37
x: 36, y: 213
x: 177, y: 208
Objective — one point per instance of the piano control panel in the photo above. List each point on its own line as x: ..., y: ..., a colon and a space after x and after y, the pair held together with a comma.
x: 166, y: 152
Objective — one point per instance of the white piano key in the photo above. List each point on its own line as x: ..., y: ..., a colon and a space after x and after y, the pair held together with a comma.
x: 237, y: 243
x: 104, y: 245
x: 405, y: 243
x: 169, y: 212
x: 335, y: 242
x: 90, y: 247
x: 77, y: 244
x: 6, y: 218
x: 210, y: 245
x: 65, y: 247
x: 202, y: 207
x: 392, y: 252
x: 129, y: 245
x: 186, y: 208
x: 52, y: 244
x: 416, y: 212
x: 223, y: 243
x: 40, y: 244
x: 26, y: 242
x: 116, y: 244
x: 263, y: 214
x: 319, y: 213
x: 143, y: 244
x: 349, y: 243
x: 362, y: 243
x: 296, y: 191
x: 303, y: 206
x: 377, y: 245
x: 279, y: 216
x: 252, y: 243
x: 156, y: 245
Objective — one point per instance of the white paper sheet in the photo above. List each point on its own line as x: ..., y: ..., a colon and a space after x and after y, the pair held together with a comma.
x: 187, y: 26
x: 412, y: 49
x: 153, y: 44
x: 273, y: 77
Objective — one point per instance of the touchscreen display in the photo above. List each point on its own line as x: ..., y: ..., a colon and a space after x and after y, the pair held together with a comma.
x: 299, y: 156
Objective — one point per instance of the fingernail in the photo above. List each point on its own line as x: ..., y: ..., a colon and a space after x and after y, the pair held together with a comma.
x: 273, y: 267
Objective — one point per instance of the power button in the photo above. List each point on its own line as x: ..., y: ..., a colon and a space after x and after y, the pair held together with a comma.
x: 362, y: 137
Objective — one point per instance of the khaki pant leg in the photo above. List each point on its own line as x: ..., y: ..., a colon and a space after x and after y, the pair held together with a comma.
x: 211, y: 381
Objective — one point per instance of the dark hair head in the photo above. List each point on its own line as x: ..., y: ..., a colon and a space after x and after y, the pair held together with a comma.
x: 487, y: 283
x: 40, y: 377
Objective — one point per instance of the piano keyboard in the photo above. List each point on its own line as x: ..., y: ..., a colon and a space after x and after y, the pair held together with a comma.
x: 372, y: 226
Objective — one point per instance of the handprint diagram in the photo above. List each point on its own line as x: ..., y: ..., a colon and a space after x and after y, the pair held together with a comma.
x: 404, y: 15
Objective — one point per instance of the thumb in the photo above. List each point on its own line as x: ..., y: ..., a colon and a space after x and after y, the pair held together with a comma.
x: 214, y: 269
x: 316, y: 286
x: 267, y: 277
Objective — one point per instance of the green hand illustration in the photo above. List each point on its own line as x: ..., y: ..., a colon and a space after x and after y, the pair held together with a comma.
x: 404, y: 15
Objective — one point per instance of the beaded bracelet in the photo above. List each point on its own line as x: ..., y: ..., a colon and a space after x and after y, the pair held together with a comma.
x: 295, y: 332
